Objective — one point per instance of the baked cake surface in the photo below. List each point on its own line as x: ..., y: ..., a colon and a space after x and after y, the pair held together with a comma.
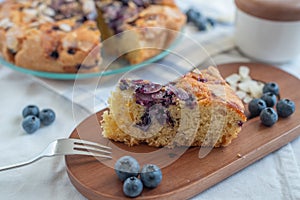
x: 199, y: 109
x: 58, y: 35
x: 150, y: 26
x: 53, y: 36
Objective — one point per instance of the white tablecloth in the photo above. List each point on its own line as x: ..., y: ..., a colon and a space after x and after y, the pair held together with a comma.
x: 277, y: 176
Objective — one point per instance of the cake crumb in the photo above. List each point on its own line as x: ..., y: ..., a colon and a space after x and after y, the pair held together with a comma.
x: 240, y: 155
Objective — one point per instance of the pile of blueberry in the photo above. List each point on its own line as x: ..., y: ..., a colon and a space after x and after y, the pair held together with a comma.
x: 263, y: 107
x: 128, y: 169
x: 33, y: 118
x: 201, y: 22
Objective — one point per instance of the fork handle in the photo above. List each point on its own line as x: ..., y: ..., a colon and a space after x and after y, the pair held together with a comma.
x: 21, y: 164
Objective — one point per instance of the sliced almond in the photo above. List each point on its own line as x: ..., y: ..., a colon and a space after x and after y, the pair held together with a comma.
x: 245, y: 86
x: 241, y: 94
x: 6, y: 23
x: 247, y: 99
x: 29, y: 15
x: 244, y: 71
x: 234, y: 87
x: 65, y: 27
x: 34, y: 24
x: 85, y: 45
x: 233, y: 79
x: 49, y: 11
x: 255, y: 90
x: 88, y: 6
x: 12, y: 42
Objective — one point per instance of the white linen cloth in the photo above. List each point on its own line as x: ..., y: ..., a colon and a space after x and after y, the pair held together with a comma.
x: 277, y: 176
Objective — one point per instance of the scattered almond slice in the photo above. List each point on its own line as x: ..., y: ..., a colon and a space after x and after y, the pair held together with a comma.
x: 234, y: 88
x: 246, y: 85
x: 241, y: 94
x: 255, y: 90
x: 233, y: 79
x: 244, y: 71
x: 247, y: 99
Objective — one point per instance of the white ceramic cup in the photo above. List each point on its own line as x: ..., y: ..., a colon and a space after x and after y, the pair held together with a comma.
x: 267, y: 40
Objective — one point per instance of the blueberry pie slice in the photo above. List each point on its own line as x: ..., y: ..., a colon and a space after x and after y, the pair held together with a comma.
x: 199, y: 109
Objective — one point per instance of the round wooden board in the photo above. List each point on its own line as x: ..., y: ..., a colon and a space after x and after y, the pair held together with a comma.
x: 186, y: 175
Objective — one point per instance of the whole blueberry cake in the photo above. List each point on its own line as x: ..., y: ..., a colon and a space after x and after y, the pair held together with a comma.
x: 199, y: 109
x: 58, y: 35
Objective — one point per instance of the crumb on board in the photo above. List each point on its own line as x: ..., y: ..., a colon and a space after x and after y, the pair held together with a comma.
x: 240, y: 155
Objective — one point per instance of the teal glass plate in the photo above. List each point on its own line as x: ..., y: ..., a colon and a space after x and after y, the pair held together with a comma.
x: 119, y: 66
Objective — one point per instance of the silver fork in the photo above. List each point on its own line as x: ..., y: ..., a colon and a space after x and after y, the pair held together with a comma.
x: 67, y: 147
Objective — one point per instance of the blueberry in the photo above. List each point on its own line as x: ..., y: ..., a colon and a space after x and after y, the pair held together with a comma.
x: 271, y: 87
x: 256, y: 106
x: 151, y: 175
x: 30, y: 110
x: 125, y: 2
x: 201, y: 24
x: 132, y: 187
x: 211, y: 21
x: 285, y: 108
x: 269, y: 98
x: 192, y: 15
x: 31, y: 124
x: 268, y: 116
x: 54, y: 54
x: 127, y: 167
x: 47, y: 116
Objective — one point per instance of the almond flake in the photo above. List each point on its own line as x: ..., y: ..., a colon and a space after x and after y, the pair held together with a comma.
x: 34, y: 24
x: 233, y: 79
x: 49, y: 11
x: 29, y: 15
x: 244, y: 71
x: 256, y: 90
x: 85, y: 46
x: 247, y: 99
x: 65, y: 27
x: 6, y: 23
x: 88, y: 6
x: 241, y: 94
x: 245, y: 86
x: 35, y: 4
x: 12, y: 42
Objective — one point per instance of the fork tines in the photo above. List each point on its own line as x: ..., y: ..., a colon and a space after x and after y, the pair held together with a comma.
x: 92, y: 148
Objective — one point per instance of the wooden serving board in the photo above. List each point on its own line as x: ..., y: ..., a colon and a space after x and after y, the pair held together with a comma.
x: 188, y: 175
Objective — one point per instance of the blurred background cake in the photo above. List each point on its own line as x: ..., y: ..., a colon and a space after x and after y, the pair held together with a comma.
x: 58, y: 35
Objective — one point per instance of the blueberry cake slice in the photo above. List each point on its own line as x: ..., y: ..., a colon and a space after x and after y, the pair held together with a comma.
x: 58, y: 35
x: 199, y: 109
